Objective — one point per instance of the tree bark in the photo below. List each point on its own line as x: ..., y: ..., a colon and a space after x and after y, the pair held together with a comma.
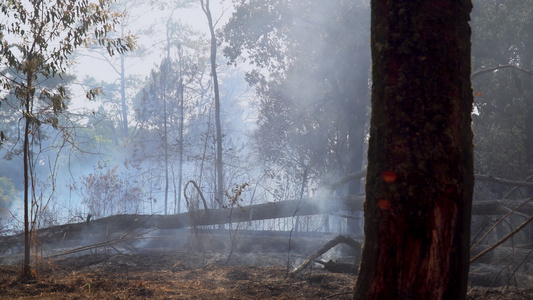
x: 420, y: 157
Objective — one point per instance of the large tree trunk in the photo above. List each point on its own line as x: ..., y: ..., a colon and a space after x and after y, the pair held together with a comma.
x: 420, y: 161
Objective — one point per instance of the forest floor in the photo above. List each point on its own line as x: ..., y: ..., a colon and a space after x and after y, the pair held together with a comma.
x: 188, y: 275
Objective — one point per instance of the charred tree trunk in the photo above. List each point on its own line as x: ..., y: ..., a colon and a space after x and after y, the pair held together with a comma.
x: 420, y: 157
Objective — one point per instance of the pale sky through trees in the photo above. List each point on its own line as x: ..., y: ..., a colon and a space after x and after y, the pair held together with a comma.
x: 142, y: 20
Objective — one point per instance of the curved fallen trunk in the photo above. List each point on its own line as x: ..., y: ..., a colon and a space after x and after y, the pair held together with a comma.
x: 118, y: 224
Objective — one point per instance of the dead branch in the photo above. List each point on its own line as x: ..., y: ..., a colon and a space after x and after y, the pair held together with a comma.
x: 332, y: 243
x: 109, y: 243
x: 477, y: 73
x: 501, y: 180
x: 480, y: 177
x: 199, y: 192
x: 501, y: 207
x: 514, y: 189
x: 499, y: 221
x: 473, y: 259
x: 350, y: 177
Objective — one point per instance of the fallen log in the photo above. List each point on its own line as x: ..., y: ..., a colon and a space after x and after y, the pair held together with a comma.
x: 338, y: 267
x: 332, y: 243
x: 271, y: 210
x: 117, y: 224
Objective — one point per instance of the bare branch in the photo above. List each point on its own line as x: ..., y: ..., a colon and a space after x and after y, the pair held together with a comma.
x: 499, y: 221
x: 483, y: 71
x: 480, y: 177
x: 473, y: 259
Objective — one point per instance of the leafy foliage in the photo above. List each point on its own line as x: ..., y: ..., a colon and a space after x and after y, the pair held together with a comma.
x: 36, y: 41
x: 8, y: 194
x: 37, y: 38
x: 310, y: 64
x: 159, y: 110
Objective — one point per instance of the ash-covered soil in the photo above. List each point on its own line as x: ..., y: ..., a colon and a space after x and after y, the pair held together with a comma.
x: 173, y: 275
x: 188, y: 275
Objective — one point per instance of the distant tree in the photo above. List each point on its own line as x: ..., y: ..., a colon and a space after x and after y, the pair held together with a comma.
x: 218, y: 123
x: 502, y: 78
x: 161, y: 115
x: 420, y: 179
x: 118, y: 100
x: 8, y: 195
x: 37, y: 38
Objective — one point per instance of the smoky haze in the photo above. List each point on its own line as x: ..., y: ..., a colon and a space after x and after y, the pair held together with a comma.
x: 283, y: 115
x: 289, y: 74
x: 133, y: 170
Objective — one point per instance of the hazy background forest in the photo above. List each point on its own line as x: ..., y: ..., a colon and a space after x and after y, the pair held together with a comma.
x: 294, y: 82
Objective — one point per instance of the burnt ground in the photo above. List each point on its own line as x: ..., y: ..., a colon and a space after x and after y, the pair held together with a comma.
x: 171, y: 275
x: 169, y: 265
x: 188, y: 275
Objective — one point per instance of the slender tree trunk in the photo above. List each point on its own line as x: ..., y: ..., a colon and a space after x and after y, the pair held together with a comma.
x: 181, y: 99
x: 124, y: 106
x: 527, y: 63
x: 527, y: 60
x: 123, y: 98
x: 218, y: 126
x: 26, y: 270
x: 356, y: 145
x: 180, y: 142
x: 420, y: 157
x: 27, y: 237
x: 165, y: 136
